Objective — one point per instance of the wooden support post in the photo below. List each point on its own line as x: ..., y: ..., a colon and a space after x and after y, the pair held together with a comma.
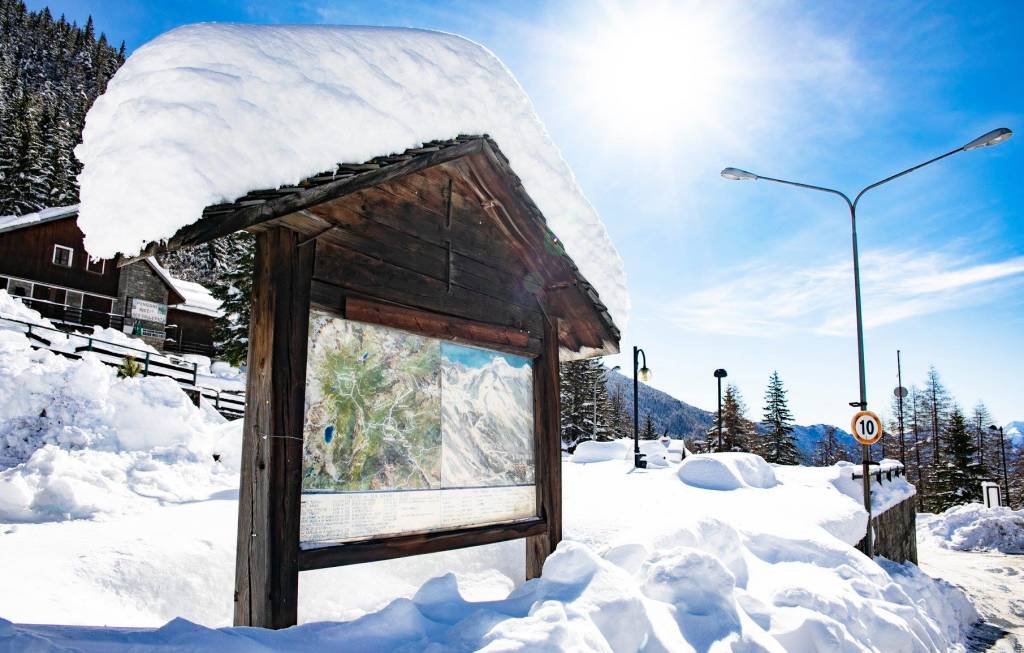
x: 548, y: 453
x: 267, y: 567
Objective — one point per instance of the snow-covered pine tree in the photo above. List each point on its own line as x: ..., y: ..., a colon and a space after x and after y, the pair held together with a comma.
x: 581, y: 417
x: 958, y: 482
x: 989, y: 460
x: 57, y: 69
x: 233, y: 287
x: 936, y: 407
x: 1015, y: 473
x: 737, y: 430
x: 620, y: 422
x: 916, y: 458
x: 777, y: 444
x: 22, y: 182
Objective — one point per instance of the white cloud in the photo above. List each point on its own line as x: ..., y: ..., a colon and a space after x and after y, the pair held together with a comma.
x: 771, y: 299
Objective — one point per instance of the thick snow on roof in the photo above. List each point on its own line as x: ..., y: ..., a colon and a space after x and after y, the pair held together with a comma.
x: 12, y: 222
x: 197, y: 298
x: 205, y: 113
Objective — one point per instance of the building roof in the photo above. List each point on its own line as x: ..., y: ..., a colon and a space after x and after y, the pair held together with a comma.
x: 259, y: 208
x: 15, y: 222
x: 205, y: 113
x: 198, y: 299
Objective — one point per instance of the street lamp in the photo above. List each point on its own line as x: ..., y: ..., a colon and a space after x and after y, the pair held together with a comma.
x: 993, y: 137
x: 1002, y: 455
x: 639, y: 374
x: 720, y: 374
x: 617, y: 367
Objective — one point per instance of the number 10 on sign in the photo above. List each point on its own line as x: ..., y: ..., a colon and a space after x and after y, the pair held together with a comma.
x: 867, y: 427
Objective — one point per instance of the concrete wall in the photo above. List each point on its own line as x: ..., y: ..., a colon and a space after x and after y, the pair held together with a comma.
x: 896, y: 532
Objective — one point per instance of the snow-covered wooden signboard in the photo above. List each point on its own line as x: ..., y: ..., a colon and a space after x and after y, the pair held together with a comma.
x: 426, y: 264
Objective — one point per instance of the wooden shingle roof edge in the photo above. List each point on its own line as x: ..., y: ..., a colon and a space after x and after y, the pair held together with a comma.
x: 259, y: 206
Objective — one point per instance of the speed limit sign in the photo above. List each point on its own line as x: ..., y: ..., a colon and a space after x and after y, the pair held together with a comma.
x: 867, y: 428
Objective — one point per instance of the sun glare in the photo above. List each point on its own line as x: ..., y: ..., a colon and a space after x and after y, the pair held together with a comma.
x: 649, y: 71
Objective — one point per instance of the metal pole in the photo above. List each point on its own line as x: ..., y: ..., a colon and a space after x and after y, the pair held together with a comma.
x: 636, y: 408
x: 719, y: 413
x: 865, y: 457
x: 1006, y: 481
x: 595, y: 409
x: 899, y: 381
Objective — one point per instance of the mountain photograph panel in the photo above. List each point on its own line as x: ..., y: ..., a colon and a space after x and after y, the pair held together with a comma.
x: 486, y: 418
x: 372, y: 408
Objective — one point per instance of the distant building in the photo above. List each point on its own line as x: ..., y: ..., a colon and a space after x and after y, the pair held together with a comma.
x: 43, y: 261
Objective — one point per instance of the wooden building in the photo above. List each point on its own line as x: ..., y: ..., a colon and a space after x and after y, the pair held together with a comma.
x: 43, y: 261
x: 441, y: 240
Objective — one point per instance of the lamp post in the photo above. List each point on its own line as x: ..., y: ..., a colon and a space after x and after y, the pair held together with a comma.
x: 617, y: 367
x: 993, y: 137
x: 720, y: 374
x: 1002, y: 455
x: 639, y: 374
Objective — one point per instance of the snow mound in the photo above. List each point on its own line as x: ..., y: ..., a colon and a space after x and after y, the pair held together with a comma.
x: 727, y: 471
x: 207, y: 112
x: 974, y: 527
x: 592, y: 451
x: 76, y: 441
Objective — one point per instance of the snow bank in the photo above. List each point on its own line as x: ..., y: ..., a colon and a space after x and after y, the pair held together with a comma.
x: 76, y: 441
x: 726, y: 471
x: 974, y: 527
x: 207, y: 112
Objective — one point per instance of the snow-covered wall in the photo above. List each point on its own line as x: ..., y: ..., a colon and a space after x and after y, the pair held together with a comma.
x: 207, y: 112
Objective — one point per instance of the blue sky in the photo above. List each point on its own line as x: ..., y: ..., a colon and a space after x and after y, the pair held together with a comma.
x: 648, y: 101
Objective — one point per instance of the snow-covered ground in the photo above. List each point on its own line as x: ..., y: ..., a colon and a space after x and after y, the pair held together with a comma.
x: 963, y: 547
x: 115, y: 513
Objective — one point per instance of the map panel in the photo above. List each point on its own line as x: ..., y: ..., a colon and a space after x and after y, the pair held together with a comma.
x: 409, y: 434
x: 373, y: 405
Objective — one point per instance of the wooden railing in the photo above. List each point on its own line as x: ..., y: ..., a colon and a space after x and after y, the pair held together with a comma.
x: 74, y: 314
x: 230, y: 403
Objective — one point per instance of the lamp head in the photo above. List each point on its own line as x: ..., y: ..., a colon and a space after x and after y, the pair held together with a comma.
x: 644, y: 374
x: 736, y: 174
x: 994, y: 137
x: 721, y: 374
x: 993, y: 427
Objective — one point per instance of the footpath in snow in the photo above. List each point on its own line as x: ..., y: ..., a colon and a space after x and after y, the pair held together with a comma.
x: 980, y: 550
x: 114, y: 513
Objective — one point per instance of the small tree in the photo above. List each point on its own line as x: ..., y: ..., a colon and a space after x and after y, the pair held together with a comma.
x: 129, y: 368
x: 647, y: 431
x: 737, y: 430
x: 778, y: 444
x: 958, y: 482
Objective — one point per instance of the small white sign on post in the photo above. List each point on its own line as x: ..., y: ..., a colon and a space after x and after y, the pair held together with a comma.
x: 991, y: 493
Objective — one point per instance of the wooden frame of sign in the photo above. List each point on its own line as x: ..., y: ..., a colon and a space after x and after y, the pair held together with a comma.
x: 441, y: 241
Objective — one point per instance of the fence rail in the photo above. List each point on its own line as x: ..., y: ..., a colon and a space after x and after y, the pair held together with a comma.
x: 891, y: 472
x: 230, y: 403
